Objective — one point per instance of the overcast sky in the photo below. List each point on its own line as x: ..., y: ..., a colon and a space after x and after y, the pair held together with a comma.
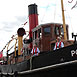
x: 14, y: 13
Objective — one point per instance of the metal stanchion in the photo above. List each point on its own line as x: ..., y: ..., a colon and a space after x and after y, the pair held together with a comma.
x: 31, y: 63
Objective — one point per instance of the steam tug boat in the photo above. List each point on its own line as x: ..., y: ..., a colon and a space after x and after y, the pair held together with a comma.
x: 61, y: 62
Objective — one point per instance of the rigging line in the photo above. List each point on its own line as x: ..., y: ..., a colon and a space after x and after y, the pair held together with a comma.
x: 26, y: 36
x: 54, y: 15
x: 8, y: 43
x: 25, y: 22
x: 45, y: 13
x: 70, y: 1
x: 70, y: 21
x: 31, y: 1
x: 55, y: 10
x: 11, y: 47
x: 12, y: 37
x: 69, y: 17
x: 74, y: 5
x: 27, y: 18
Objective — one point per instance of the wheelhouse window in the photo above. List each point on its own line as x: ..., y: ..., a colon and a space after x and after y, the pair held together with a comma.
x: 47, y: 30
x: 39, y: 33
x: 57, y: 30
x: 33, y: 35
x: 36, y: 35
x: 62, y: 31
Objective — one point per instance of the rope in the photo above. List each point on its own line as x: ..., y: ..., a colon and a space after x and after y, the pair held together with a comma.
x: 70, y: 22
x: 25, y: 22
x: 55, y: 11
x: 70, y: 1
x: 69, y: 18
x: 13, y: 36
x: 11, y: 48
x: 74, y: 5
x: 45, y: 13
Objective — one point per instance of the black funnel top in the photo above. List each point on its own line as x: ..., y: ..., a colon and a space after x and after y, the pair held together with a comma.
x: 32, y: 9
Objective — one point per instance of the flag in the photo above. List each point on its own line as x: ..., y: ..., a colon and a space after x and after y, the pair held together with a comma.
x: 1, y: 54
x: 24, y: 23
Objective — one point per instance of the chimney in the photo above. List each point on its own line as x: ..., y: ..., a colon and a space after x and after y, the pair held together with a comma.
x: 33, y: 18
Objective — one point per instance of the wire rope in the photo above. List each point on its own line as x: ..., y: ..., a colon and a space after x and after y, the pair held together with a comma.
x: 69, y: 18
x: 45, y: 12
x: 55, y: 10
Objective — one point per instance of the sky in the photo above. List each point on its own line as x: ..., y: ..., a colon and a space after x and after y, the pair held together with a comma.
x: 14, y: 13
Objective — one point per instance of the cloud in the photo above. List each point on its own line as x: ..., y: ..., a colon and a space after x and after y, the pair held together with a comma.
x: 16, y: 21
x: 21, y: 19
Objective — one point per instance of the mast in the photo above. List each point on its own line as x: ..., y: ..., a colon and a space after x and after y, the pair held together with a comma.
x: 64, y: 26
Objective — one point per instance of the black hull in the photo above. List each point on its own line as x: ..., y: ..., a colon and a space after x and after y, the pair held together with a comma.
x: 54, y: 63
x: 67, y: 69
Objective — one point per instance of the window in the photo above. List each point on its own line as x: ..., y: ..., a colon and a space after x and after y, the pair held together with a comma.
x: 36, y: 35
x: 39, y: 33
x: 33, y: 35
x: 62, y: 31
x: 47, y: 30
x: 57, y: 30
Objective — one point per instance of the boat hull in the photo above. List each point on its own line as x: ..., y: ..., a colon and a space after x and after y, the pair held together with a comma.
x: 58, y: 58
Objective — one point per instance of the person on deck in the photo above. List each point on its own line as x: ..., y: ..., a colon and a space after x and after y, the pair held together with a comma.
x: 35, y: 51
x: 59, y: 44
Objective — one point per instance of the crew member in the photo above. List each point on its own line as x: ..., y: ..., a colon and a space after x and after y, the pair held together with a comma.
x: 59, y: 44
x: 35, y: 51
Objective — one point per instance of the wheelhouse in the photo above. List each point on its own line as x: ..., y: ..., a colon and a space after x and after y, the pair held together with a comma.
x: 45, y: 35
